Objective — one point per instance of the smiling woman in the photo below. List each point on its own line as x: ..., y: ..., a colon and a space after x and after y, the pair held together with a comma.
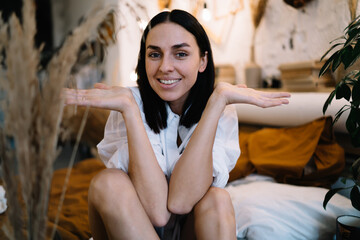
x: 172, y: 63
x: 169, y: 143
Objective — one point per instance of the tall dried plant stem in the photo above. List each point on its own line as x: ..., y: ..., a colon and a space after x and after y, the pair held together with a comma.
x: 68, y: 172
x: 33, y: 110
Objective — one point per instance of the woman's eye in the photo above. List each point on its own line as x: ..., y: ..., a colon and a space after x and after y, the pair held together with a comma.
x: 154, y: 55
x: 181, y: 54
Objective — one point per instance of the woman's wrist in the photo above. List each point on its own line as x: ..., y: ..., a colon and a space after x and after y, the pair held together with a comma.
x: 217, y: 99
x: 130, y: 109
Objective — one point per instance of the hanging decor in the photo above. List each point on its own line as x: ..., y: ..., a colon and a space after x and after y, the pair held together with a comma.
x: 217, y: 21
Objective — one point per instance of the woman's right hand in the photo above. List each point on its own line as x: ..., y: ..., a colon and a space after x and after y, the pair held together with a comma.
x: 101, y: 96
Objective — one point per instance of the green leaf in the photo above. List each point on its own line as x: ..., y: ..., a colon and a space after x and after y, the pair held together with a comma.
x: 328, y: 101
x: 330, y: 49
x: 347, y: 56
x: 340, y: 112
x: 343, y: 92
x: 355, y: 116
x: 327, y: 64
x: 329, y: 195
x: 351, y: 40
x: 355, y: 137
x: 355, y: 168
x: 355, y: 54
x: 353, y: 24
x: 355, y: 197
x: 336, y: 62
x: 356, y: 92
x: 351, y: 122
x: 325, y: 67
x: 352, y: 28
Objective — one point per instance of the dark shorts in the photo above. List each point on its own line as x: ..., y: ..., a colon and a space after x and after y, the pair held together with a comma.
x: 172, y: 229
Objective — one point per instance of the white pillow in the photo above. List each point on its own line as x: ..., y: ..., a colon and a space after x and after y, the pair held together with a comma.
x: 267, y: 210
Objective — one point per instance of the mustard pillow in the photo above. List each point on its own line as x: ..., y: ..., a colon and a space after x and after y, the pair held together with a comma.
x: 243, y: 166
x: 283, y: 153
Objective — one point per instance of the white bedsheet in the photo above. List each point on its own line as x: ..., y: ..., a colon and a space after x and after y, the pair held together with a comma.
x: 268, y: 210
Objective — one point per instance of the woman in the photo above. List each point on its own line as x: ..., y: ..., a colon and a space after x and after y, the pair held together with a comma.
x: 170, y: 143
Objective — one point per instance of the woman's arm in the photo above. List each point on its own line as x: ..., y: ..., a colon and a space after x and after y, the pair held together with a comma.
x: 192, y: 175
x: 144, y: 170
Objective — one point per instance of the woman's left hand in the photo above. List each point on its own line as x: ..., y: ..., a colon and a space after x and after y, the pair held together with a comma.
x: 231, y: 94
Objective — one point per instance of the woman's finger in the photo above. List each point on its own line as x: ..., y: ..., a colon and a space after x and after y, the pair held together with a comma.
x: 241, y: 85
x: 101, y: 86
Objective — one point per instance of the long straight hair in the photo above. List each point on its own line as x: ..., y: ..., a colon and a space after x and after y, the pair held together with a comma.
x: 154, y: 107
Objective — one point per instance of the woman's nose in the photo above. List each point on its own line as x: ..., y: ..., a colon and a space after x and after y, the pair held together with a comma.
x: 167, y: 64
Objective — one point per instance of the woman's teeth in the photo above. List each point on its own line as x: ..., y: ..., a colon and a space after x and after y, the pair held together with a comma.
x: 169, y: 81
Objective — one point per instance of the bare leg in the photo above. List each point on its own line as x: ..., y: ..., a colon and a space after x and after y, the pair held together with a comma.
x: 214, y: 216
x: 115, y: 211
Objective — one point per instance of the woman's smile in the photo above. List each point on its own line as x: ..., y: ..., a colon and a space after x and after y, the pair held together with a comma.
x: 169, y: 81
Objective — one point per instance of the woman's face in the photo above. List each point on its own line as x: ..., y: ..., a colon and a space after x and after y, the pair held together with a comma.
x: 172, y: 63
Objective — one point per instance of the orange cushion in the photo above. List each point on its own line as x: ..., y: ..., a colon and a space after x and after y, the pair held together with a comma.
x: 285, y: 153
x: 243, y: 165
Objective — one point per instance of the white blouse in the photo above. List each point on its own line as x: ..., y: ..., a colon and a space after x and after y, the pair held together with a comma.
x: 113, y: 149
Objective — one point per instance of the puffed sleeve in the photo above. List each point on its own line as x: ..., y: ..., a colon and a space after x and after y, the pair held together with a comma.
x: 113, y: 149
x: 226, y: 149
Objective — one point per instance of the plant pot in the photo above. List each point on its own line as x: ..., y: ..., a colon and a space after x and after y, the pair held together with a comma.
x: 348, y: 227
x: 253, y: 75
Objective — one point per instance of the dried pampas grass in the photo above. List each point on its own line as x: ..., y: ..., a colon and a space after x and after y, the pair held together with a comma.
x: 31, y: 105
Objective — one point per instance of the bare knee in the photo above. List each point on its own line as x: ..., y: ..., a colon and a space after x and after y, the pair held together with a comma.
x: 215, y: 209
x: 108, y: 184
x: 216, y: 201
x: 112, y: 189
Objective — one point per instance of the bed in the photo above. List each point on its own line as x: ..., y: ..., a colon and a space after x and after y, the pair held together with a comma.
x: 277, y: 189
x: 272, y: 199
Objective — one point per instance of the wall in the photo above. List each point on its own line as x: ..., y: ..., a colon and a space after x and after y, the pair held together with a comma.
x: 285, y: 34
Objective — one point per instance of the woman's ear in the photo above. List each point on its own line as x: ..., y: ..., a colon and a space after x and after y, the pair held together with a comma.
x: 203, y: 62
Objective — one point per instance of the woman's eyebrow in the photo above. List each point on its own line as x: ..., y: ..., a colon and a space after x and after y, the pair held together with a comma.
x: 153, y: 47
x: 176, y: 46
x: 180, y: 45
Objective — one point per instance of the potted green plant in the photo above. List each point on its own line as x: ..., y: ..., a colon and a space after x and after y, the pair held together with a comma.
x: 347, y: 53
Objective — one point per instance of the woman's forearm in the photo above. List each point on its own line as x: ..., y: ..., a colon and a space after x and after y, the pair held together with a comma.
x: 193, y: 173
x: 144, y: 170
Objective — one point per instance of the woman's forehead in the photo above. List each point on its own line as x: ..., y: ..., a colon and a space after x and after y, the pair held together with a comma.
x: 170, y: 34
